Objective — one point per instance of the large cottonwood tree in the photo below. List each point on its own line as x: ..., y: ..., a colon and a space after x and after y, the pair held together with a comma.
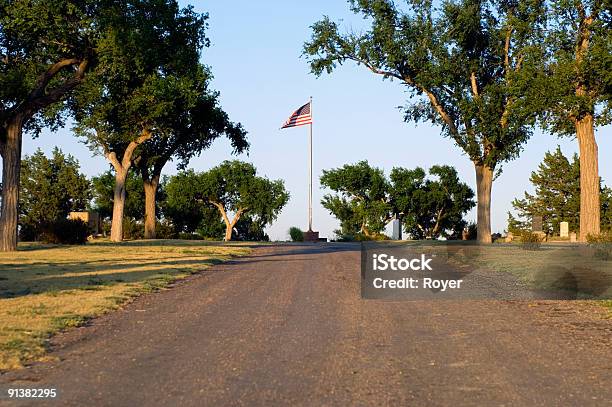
x: 42, y: 59
x: 468, y: 66
x: 579, y: 91
x: 148, y: 72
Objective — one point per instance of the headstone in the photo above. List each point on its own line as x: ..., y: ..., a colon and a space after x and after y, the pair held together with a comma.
x: 509, y: 237
x: 397, y: 229
x: 564, y: 229
x: 536, y: 224
x: 573, y: 237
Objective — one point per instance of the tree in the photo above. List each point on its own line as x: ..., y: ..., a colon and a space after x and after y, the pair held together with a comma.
x: 103, y: 194
x: 365, y: 201
x: 186, y: 209
x: 469, y: 65
x: 431, y: 208
x: 557, y: 195
x: 579, y: 89
x: 51, y: 188
x: 516, y: 226
x: 234, y: 187
x: 361, y: 203
x: 182, y: 133
x: 147, y: 73
x: 42, y: 59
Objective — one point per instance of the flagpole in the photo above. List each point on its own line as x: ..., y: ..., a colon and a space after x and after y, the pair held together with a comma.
x: 310, y: 170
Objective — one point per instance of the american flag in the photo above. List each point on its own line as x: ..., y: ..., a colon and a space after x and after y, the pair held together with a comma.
x: 300, y: 117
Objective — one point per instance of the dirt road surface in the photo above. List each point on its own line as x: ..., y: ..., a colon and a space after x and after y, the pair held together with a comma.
x: 287, y: 326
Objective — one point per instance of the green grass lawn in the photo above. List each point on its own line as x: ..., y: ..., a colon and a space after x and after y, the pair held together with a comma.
x: 44, y: 289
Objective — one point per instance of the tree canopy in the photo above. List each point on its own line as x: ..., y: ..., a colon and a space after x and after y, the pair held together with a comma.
x: 579, y: 65
x: 234, y: 187
x: 433, y: 207
x: 361, y: 200
x: 468, y: 65
x: 365, y: 201
x: 46, y: 49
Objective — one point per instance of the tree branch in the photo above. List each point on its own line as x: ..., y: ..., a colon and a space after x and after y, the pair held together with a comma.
x: 507, y: 49
x: 112, y: 157
x: 40, y: 98
x: 43, y: 80
x: 129, y: 151
x: 474, y: 85
x: 221, y: 209
x: 237, y: 216
x: 410, y: 81
x: 442, y: 112
x: 374, y: 69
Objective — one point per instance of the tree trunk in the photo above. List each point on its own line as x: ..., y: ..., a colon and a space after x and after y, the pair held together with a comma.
x: 589, y: 178
x: 118, y: 205
x: 484, y: 183
x: 11, y: 168
x: 228, y: 231
x: 229, y: 225
x: 364, y: 229
x: 150, y: 189
x: 121, y: 172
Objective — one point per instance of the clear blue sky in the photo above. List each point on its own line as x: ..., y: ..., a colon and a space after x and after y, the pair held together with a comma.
x: 255, y: 58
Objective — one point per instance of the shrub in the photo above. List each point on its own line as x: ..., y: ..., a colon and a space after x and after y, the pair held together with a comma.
x: 164, y: 230
x: 132, y: 229
x: 530, y: 241
x: 296, y: 234
x: 601, y: 244
x: 28, y: 232
x: 65, y: 231
x: 360, y: 237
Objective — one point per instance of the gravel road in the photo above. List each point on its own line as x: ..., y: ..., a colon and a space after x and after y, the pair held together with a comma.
x: 287, y: 326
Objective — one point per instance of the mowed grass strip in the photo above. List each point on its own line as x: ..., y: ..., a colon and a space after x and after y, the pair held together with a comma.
x: 44, y: 289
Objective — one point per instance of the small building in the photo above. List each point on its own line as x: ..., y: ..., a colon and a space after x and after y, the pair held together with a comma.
x: 91, y: 218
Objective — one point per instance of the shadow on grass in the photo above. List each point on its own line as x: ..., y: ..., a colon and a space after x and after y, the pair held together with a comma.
x: 57, y: 274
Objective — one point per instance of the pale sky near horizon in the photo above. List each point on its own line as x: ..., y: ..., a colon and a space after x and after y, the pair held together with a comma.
x: 255, y: 58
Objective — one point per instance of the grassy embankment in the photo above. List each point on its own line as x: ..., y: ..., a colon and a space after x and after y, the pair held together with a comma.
x: 554, y: 261
x: 44, y: 289
x: 547, y: 266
